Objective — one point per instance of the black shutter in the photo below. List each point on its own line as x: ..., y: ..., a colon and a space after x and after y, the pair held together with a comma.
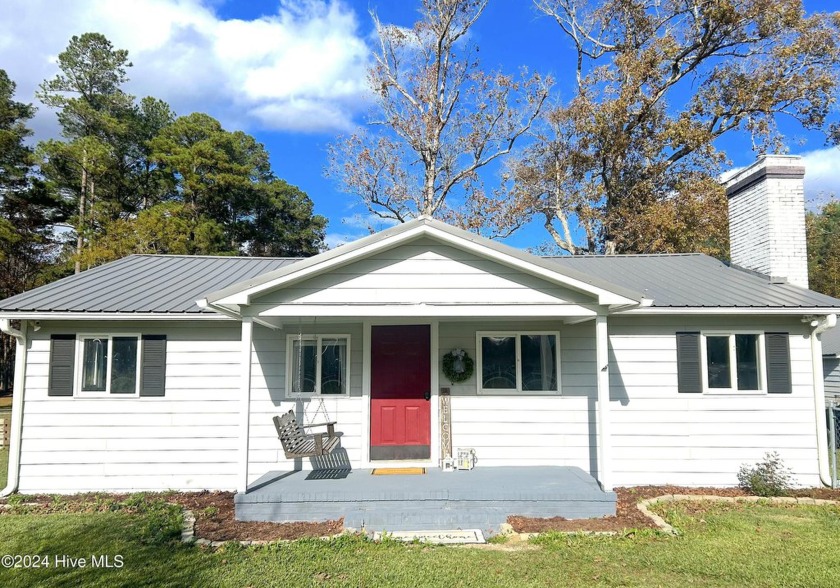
x: 689, y: 374
x: 153, y: 370
x: 777, y: 347
x: 62, y: 362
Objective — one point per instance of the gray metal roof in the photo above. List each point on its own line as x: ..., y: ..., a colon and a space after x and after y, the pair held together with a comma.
x: 172, y: 283
x: 143, y: 284
x: 694, y: 280
x: 831, y: 342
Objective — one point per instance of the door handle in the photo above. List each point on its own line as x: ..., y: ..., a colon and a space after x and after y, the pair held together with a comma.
x: 428, y: 395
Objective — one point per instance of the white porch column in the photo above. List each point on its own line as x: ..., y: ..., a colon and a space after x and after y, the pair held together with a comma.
x: 21, y: 355
x: 245, y: 401
x: 603, y: 366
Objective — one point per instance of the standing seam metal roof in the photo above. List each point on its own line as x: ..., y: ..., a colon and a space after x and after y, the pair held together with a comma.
x: 144, y: 284
x: 694, y: 280
x: 172, y: 283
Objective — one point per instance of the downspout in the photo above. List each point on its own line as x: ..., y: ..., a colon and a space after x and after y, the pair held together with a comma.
x: 818, y: 325
x: 17, y: 403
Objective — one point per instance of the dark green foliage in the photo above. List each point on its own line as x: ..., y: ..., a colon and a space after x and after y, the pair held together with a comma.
x: 27, y: 212
x: 138, y: 179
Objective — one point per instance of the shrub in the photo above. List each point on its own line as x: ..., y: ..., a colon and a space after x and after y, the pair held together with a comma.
x: 769, y: 477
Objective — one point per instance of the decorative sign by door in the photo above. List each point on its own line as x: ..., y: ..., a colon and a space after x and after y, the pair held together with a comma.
x: 445, y: 425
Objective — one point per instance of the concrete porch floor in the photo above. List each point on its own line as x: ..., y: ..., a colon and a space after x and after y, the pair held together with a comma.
x: 482, y: 498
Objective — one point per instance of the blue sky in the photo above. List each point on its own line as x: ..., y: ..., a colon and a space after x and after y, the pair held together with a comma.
x: 292, y: 73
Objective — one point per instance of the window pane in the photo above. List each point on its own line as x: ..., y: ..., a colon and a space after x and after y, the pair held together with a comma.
x: 124, y: 365
x: 717, y: 361
x: 746, y: 361
x: 94, y: 365
x: 498, y: 363
x: 333, y: 366
x: 303, y: 367
x: 539, y: 362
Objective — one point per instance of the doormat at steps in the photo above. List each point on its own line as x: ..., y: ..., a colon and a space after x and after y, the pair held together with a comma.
x: 398, y: 471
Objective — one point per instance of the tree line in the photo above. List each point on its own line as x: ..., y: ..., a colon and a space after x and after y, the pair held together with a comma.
x: 130, y: 176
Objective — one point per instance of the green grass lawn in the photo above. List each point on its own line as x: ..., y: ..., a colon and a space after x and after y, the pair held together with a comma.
x: 751, y: 545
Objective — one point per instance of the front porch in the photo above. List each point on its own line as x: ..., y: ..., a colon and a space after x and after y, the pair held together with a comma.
x: 482, y: 498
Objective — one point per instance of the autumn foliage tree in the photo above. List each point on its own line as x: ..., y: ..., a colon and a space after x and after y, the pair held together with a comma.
x: 440, y: 119
x: 823, y: 230
x: 629, y: 163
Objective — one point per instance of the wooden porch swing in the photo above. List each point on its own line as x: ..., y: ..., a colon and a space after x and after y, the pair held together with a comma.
x: 297, y: 443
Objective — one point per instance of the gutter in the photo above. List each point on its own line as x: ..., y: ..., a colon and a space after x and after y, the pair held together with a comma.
x: 818, y: 325
x: 17, y: 403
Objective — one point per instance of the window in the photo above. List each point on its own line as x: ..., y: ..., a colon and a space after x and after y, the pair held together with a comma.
x: 108, y: 365
x: 317, y: 364
x: 733, y: 362
x: 518, y: 362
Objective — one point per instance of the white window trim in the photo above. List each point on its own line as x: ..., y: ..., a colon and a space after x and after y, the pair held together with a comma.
x: 733, y: 367
x: 79, y: 375
x: 318, y: 339
x: 518, y: 390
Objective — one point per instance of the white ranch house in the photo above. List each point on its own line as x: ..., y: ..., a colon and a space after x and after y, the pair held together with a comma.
x: 164, y: 372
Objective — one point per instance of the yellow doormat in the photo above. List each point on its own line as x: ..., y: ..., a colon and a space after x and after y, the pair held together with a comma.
x: 398, y: 471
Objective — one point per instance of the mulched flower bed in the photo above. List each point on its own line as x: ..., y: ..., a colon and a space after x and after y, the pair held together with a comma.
x: 214, y: 513
x: 214, y: 520
x: 629, y: 517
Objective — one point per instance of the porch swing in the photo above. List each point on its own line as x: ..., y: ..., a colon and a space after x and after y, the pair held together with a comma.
x: 297, y: 443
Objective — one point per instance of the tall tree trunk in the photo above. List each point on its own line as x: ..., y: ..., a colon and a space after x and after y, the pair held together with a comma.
x: 429, y: 186
x: 80, y: 226
x: 90, y: 205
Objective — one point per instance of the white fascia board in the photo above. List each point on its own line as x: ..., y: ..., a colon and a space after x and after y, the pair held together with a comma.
x: 604, y: 297
x: 121, y: 316
x: 794, y: 311
x: 428, y: 310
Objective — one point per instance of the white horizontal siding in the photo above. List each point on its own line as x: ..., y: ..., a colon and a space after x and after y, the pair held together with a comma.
x: 831, y: 372
x: 662, y: 437
x: 186, y: 440
x: 269, y: 399
x: 423, y: 272
x: 658, y: 435
x: 526, y: 430
x: 190, y: 438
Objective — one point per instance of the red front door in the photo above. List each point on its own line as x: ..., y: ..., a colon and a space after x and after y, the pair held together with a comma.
x: 400, y: 386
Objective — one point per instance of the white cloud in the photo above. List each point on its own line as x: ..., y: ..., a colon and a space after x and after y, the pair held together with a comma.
x: 822, y: 175
x: 300, y: 69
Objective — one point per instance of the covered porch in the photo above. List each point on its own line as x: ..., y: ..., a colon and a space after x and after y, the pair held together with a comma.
x: 481, y: 498
x: 383, y: 313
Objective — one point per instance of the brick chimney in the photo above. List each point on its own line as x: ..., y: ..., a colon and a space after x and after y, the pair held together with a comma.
x: 767, y: 218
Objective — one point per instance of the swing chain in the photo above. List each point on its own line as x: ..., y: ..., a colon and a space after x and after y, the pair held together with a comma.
x: 321, y: 408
